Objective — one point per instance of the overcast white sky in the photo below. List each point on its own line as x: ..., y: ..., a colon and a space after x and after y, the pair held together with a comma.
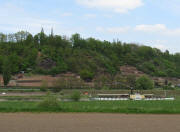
x: 149, y: 22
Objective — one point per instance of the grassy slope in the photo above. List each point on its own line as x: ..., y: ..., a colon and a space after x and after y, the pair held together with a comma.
x: 146, y: 107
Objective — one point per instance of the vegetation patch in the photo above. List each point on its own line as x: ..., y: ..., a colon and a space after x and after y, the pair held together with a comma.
x: 50, y: 102
x: 23, y: 52
x: 75, y: 96
x: 52, y: 105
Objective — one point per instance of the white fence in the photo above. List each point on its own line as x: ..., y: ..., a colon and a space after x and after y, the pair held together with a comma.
x: 110, y: 99
x: 116, y: 99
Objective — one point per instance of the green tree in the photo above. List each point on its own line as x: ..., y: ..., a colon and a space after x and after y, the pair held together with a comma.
x: 21, y: 36
x: 77, y: 41
x: 144, y: 83
x: 42, y: 37
x: 3, y: 37
x: 131, y: 80
x: 14, y: 62
x: 29, y: 39
x: 6, y: 71
x: 86, y: 75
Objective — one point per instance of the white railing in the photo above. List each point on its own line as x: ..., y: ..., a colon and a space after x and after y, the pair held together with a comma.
x: 116, y: 99
x: 110, y: 99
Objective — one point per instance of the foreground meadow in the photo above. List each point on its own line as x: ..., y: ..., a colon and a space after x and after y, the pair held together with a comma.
x: 145, y: 107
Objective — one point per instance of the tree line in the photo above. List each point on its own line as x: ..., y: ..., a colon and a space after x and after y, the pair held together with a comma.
x: 88, y: 57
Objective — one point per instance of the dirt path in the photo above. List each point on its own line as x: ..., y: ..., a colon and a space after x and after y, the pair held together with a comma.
x: 25, y: 122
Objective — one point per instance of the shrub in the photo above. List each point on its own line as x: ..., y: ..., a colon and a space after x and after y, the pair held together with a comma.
x: 86, y: 75
x: 75, y: 96
x: 105, y: 88
x: 131, y: 80
x: 44, y: 86
x: 56, y: 89
x: 76, y: 83
x: 49, y: 102
x: 101, y: 81
x: 160, y: 74
x: 168, y: 88
x: 53, y: 71
x: 59, y: 84
x: 144, y: 83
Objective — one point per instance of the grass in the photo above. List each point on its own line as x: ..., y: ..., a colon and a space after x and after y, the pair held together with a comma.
x: 128, y: 107
x: 20, y: 90
x: 22, y: 97
x: 144, y: 107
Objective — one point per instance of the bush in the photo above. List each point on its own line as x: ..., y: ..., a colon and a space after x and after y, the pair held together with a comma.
x: 75, y: 96
x: 56, y: 89
x: 101, y: 81
x: 144, y: 83
x: 86, y: 75
x: 73, y: 82
x: 131, y: 80
x: 49, y: 102
x: 44, y: 86
x: 160, y: 74
x: 58, y: 69
x: 59, y: 84
x: 168, y: 88
x: 105, y: 88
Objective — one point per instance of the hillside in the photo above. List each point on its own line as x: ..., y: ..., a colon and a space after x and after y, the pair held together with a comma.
x: 53, y: 55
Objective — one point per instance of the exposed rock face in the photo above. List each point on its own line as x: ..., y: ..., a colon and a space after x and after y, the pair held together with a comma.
x: 130, y: 70
x: 47, y: 63
x: 162, y: 80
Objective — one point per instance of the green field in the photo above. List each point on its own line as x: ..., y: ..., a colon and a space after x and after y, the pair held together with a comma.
x: 29, y: 103
x: 146, y: 107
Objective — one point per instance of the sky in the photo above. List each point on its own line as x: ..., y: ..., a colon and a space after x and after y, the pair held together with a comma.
x: 155, y: 23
